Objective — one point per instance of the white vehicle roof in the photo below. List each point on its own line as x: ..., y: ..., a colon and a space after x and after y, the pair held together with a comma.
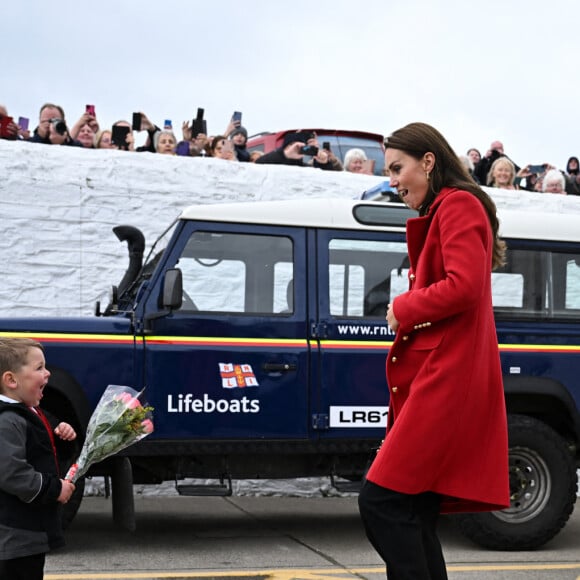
x: 542, y: 223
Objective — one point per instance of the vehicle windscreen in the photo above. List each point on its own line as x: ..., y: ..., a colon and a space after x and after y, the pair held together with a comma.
x: 340, y: 145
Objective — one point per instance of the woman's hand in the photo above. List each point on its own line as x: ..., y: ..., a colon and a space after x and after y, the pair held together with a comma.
x: 391, y: 320
x: 186, y: 131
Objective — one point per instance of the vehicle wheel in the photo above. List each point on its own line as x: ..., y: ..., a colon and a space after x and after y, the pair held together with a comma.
x: 543, y: 485
x: 71, y: 508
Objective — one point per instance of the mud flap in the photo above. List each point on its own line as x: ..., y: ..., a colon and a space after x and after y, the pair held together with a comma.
x: 122, y: 494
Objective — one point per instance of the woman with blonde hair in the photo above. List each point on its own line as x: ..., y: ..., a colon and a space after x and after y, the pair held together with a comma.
x: 103, y: 140
x: 502, y: 174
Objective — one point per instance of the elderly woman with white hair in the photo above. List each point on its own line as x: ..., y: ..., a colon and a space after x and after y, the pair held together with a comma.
x: 554, y: 182
x: 355, y: 161
x: 165, y: 142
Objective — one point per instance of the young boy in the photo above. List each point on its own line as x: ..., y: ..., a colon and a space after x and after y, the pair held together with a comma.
x: 30, y: 485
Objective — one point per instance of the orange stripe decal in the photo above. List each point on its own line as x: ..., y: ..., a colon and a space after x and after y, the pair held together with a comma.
x: 219, y: 341
x: 80, y: 338
x: 83, y: 338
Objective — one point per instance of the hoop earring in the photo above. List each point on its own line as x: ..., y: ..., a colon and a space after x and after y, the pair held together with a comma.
x: 427, y: 175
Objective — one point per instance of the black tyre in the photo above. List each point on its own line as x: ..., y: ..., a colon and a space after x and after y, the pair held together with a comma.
x: 71, y: 508
x: 543, y: 484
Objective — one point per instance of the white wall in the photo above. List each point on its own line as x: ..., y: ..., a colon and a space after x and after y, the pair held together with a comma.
x: 59, y: 204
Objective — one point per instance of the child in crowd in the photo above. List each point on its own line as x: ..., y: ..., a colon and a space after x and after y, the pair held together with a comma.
x: 30, y: 485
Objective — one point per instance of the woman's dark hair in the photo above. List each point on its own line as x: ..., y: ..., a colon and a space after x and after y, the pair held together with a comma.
x: 576, y: 170
x: 416, y: 139
x: 215, y: 141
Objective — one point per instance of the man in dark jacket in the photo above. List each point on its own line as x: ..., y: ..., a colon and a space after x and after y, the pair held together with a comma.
x: 495, y: 151
x: 52, y: 128
x: 298, y: 145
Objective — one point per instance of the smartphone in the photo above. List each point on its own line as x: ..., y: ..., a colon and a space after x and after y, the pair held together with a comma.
x: 198, y: 125
x: 537, y: 168
x: 119, y: 136
x: 23, y: 123
x: 136, y: 124
x: 237, y: 117
x: 4, y: 122
x: 309, y: 150
x: 326, y: 145
x: 90, y: 109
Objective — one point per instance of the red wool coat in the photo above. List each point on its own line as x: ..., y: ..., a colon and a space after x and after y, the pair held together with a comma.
x: 447, y: 428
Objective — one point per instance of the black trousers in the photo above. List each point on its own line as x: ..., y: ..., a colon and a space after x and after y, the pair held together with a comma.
x: 402, y: 529
x: 25, y: 568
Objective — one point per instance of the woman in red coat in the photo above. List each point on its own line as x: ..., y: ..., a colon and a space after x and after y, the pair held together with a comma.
x: 446, y: 443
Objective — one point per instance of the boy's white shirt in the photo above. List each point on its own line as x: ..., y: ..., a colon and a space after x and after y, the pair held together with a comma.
x: 8, y: 399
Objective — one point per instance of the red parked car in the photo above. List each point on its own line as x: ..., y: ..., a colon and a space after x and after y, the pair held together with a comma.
x: 339, y: 141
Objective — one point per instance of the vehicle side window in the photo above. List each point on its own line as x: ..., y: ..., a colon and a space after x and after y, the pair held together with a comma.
x: 237, y: 273
x: 536, y: 284
x: 573, y: 282
x: 364, y: 276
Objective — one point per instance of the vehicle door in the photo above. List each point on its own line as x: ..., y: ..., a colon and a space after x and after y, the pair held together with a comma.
x: 233, y: 361
x: 536, y: 298
x: 359, y: 273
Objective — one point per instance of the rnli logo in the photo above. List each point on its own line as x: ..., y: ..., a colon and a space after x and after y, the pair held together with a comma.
x: 236, y: 376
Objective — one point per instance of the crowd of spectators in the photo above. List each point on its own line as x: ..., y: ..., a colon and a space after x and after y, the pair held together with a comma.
x: 494, y: 169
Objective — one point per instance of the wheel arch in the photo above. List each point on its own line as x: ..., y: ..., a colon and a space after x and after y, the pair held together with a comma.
x: 547, y: 400
x: 64, y: 397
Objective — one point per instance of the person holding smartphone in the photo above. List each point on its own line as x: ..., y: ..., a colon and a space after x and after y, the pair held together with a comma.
x: 151, y: 128
x: 122, y: 136
x: 85, y: 129
x: 239, y: 138
x: 298, y: 145
x: 8, y: 128
x: 222, y: 148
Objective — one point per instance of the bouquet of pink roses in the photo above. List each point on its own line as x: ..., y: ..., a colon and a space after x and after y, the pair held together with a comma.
x: 119, y: 420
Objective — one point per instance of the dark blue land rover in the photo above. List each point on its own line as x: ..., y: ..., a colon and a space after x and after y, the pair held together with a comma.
x: 258, y: 333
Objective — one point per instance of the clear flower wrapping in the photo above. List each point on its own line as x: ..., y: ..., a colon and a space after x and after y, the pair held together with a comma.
x: 119, y: 420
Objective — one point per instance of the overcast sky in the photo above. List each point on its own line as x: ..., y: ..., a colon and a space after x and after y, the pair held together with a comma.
x: 478, y: 71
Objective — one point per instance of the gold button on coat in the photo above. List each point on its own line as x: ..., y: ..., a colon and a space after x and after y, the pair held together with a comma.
x: 394, y: 359
x: 412, y: 277
x: 395, y: 389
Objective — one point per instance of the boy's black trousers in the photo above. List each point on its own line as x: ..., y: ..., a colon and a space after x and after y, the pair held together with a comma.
x: 25, y: 568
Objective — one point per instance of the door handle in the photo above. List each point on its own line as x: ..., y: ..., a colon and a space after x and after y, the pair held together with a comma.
x: 278, y: 367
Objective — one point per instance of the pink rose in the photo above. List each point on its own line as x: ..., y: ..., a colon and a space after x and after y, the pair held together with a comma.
x: 123, y: 397
x: 132, y: 403
x: 147, y: 426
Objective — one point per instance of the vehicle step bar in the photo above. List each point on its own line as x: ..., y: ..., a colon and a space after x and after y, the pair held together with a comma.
x: 222, y: 489
x: 346, y: 486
